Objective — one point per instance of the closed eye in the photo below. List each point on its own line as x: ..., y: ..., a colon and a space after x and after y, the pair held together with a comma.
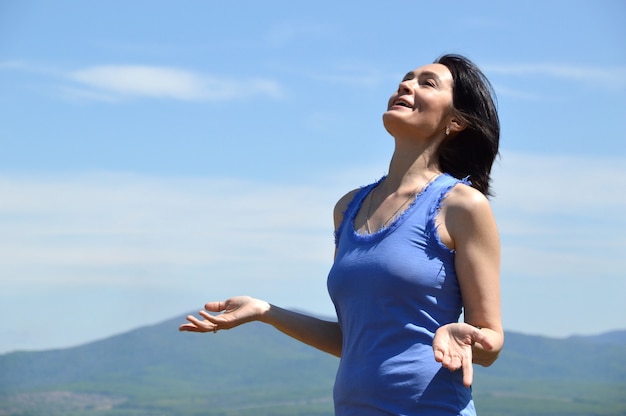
x: 408, y: 76
x: 430, y: 79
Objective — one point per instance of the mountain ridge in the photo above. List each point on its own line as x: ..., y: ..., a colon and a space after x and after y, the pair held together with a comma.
x: 255, y: 367
x: 612, y: 336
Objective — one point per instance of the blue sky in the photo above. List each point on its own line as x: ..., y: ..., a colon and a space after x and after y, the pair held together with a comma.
x: 157, y: 155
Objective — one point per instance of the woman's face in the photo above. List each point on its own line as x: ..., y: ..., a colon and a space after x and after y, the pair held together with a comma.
x: 421, y: 105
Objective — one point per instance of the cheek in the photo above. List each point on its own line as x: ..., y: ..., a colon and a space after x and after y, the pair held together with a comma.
x: 391, y: 100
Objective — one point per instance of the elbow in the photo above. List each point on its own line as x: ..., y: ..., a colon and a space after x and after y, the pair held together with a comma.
x: 487, y: 359
x: 335, y: 346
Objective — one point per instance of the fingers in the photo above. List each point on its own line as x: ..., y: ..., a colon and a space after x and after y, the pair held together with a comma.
x: 468, y: 372
x: 196, y: 325
x: 453, y: 349
x: 209, y: 323
x: 449, y: 358
x: 220, y: 315
x: 215, y: 306
x: 207, y: 316
x: 187, y: 327
x: 191, y: 328
x: 454, y: 362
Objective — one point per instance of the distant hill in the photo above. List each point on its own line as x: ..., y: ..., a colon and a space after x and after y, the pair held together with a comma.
x: 612, y: 337
x: 255, y: 370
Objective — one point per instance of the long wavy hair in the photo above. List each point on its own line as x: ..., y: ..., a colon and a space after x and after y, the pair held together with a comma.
x: 471, y: 152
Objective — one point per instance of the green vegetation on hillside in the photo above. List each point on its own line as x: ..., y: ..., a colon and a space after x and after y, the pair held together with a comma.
x: 255, y: 370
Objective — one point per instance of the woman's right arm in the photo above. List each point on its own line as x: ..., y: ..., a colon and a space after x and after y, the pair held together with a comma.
x: 321, y: 334
x: 318, y: 333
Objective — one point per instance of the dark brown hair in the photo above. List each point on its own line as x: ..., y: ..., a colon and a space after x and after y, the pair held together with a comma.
x: 471, y: 152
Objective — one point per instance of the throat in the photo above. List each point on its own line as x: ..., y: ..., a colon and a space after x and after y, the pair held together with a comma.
x: 381, y: 211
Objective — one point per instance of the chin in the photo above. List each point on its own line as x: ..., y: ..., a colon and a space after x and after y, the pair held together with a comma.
x: 392, y: 121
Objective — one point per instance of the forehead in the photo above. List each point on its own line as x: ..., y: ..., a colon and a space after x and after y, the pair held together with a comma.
x: 440, y: 71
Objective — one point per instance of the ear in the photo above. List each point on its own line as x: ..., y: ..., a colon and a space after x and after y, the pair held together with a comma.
x: 455, y: 126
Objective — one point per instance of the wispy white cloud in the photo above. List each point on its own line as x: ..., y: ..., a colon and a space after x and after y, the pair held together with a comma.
x: 614, y: 77
x: 502, y: 91
x: 129, y: 221
x: 187, y: 240
x: 113, y: 220
x: 12, y: 65
x: 126, y: 249
x: 561, y: 216
x: 136, y: 81
x: 352, y: 74
x: 558, y: 184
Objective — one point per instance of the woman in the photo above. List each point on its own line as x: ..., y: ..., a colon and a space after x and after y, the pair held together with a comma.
x: 413, y: 251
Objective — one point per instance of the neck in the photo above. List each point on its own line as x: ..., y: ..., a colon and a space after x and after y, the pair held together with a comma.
x: 411, y: 165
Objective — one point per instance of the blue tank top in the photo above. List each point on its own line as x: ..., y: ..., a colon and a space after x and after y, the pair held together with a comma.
x: 392, y: 289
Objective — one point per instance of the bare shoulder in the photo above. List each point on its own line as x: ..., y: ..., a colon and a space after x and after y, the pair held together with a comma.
x: 465, y: 214
x: 342, y: 205
x: 465, y: 199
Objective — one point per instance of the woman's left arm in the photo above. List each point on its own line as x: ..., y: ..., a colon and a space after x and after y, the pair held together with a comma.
x: 467, y: 224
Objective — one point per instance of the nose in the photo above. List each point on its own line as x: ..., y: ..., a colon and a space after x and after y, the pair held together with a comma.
x: 405, y: 87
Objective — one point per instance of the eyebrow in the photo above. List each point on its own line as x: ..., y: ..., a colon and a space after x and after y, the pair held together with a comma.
x: 425, y: 74
x: 430, y: 74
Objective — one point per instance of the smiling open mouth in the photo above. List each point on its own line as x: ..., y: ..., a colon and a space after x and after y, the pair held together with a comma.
x: 402, y: 103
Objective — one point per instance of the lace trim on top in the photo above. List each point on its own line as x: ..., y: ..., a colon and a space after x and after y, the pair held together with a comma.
x: 355, y: 205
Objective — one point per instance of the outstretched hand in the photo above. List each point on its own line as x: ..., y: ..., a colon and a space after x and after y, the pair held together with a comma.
x: 225, y: 314
x: 453, y: 344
